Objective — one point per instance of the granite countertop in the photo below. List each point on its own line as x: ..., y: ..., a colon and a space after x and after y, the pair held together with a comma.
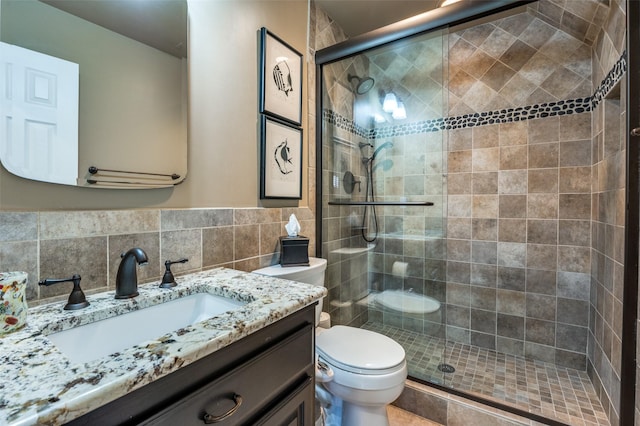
x: 39, y: 385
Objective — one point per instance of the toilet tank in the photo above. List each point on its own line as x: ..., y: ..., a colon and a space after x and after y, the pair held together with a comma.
x: 312, y: 274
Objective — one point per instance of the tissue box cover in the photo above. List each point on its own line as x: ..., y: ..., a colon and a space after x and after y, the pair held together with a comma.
x: 294, y: 251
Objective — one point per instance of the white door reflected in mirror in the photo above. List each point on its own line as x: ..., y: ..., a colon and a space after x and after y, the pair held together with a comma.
x: 133, y: 93
x: 39, y: 124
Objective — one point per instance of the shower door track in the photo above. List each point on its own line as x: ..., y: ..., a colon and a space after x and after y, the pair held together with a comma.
x: 380, y: 203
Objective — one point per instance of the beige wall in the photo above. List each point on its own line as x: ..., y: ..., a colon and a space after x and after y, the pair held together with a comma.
x: 223, y: 119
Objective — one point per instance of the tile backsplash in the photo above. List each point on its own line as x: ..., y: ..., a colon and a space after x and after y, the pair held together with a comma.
x: 54, y: 244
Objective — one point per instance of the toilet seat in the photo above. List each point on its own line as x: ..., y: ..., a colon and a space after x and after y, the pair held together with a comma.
x: 360, y: 351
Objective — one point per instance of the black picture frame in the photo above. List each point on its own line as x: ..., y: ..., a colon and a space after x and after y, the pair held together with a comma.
x: 280, y: 79
x: 280, y: 159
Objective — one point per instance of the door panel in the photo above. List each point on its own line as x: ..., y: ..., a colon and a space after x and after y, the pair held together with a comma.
x: 39, y: 104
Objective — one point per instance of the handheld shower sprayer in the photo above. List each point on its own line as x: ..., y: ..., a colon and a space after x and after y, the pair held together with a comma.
x: 388, y: 144
x: 369, y: 216
x: 370, y: 159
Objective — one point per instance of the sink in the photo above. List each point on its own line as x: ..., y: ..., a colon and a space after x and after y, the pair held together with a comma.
x: 108, y: 336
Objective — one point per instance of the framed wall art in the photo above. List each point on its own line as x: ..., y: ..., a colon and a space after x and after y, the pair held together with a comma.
x: 280, y: 79
x: 280, y: 159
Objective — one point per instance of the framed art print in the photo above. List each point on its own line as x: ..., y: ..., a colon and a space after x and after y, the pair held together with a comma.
x: 280, y: 79
x: 280, y: 159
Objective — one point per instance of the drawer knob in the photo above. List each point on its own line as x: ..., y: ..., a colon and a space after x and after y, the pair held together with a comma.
x: 210, y: 418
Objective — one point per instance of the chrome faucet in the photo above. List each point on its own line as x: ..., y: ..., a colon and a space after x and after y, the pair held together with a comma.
x: 127, y: 278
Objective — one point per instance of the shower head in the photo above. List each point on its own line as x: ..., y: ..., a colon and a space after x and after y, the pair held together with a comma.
x: 364, y: 145
x: 388, y: 144
x: 364, y: 84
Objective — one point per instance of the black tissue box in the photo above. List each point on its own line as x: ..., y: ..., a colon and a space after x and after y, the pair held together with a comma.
x: 294, y: 251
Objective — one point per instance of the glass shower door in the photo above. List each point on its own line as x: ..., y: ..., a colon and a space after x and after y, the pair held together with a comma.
x: 384, y: 197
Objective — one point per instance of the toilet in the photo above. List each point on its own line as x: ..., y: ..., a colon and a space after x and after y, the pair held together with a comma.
x: 363, y: 371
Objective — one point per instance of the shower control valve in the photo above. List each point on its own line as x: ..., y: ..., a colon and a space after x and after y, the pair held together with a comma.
x: 349, y: 181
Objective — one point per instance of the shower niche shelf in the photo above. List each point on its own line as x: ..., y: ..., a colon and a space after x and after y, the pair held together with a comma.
x: 352, y: 251
x: 381, y: 203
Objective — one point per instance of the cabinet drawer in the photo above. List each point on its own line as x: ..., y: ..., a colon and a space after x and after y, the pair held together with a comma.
x: 249, y: 388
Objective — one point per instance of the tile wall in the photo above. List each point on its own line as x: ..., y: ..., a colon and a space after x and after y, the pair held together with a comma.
x: 89, y: 243
x: 347, y: 269
x: 518, y: 238
x: 607, y: 216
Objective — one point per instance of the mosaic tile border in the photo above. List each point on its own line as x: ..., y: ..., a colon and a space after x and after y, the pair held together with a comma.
x: 613, y: 77
x: 345, y: 123
x: 529, y: 112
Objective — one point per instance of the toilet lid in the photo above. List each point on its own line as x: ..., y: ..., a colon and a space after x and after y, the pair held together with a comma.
x: 359, y: 351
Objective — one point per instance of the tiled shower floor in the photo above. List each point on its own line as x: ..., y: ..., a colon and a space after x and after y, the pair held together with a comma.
x: 558, y: 393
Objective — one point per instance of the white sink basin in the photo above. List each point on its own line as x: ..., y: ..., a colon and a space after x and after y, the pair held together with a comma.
x: 93, y: 341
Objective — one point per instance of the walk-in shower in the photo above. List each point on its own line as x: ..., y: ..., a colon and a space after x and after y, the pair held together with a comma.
x: 486, y: 234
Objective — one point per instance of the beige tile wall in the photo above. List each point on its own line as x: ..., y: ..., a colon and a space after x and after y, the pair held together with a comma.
x: 518, y: 238
x: 89, y: 243
x: 607, y: 217
x: 346, y: 273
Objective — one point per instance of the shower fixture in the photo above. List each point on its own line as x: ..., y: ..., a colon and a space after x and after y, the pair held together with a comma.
x: 370, y: 216
x: 364, y: 83
x: 371, y: 159
x: 349, y: 182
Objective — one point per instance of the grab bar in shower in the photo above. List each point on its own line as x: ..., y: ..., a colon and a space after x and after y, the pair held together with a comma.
x: 380, y: 203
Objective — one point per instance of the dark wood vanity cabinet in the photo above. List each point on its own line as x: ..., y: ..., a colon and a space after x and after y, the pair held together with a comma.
x: 265, y: 378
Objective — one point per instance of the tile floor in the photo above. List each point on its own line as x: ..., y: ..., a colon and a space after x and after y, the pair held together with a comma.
x: 558, y: 393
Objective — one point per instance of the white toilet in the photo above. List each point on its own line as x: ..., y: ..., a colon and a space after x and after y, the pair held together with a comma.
x: 368, y: 370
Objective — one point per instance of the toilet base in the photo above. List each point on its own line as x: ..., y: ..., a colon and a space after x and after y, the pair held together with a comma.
x: 364, y: 415
x: 350, y: 406
x: 342, y: 413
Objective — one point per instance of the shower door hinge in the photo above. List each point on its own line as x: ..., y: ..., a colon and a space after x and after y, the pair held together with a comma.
x: 635, y: 132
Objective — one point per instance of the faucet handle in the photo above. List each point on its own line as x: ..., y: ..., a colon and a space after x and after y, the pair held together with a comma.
x: 168, y: 279
x: 77, y: 299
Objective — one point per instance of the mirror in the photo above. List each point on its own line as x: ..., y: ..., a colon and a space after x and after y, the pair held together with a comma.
x: 132, y: 90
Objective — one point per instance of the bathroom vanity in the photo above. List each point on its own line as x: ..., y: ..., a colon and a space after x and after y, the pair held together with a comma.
x: 265, y: 378
x: 252, y: 365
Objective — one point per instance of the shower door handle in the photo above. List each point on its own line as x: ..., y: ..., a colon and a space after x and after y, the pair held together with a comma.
x: 635, y: 132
